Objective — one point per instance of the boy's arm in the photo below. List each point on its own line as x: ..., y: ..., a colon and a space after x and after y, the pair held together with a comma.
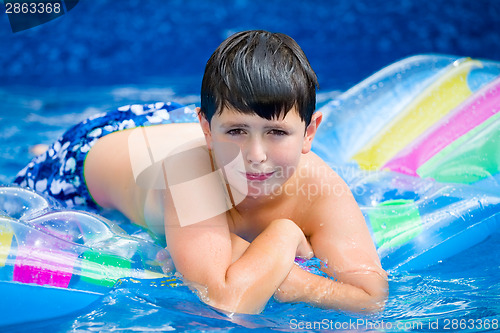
x: 202, y: 253
x: 303, y: 286
x: 339, y: 237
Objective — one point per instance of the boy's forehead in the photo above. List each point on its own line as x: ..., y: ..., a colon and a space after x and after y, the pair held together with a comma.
x: 230, y: 114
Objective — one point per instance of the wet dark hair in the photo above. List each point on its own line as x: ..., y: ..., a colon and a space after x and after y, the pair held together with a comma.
x: 259, y: 72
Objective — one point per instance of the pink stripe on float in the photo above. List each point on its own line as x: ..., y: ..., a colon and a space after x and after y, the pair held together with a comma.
x: 43, y: 266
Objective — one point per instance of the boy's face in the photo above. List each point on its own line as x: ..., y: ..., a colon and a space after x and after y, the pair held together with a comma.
x: 258, y: 155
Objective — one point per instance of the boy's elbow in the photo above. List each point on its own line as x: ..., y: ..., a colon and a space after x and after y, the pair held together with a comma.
x: 231, y: 299
x: 376, y: 303
x: 377, y: 296
x: 368, y: 296
x: 235, y: 305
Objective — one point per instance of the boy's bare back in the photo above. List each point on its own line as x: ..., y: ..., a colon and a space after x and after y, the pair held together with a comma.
x: 110, y: 178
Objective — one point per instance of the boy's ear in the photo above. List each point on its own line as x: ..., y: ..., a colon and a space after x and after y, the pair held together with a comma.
x: 205, y: 126
x: 311, y: 131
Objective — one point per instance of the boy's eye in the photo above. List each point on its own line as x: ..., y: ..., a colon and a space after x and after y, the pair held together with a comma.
x: 278, y: 132
x: 236, y: 131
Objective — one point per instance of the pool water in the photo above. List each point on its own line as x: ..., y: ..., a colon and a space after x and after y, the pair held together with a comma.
x: 463, y: 290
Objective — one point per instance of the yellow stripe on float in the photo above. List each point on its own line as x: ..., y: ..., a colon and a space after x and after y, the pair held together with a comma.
x: 442, y: 96
x: 6, y: 235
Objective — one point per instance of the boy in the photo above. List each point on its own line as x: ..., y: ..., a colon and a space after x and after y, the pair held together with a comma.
x: 239, y: 197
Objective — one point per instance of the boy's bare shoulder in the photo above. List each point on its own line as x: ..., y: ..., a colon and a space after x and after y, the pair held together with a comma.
x: 314, y: 171
x: 324, y: 191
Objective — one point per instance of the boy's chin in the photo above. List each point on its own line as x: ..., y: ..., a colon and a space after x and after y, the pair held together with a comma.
x: 260, y: 190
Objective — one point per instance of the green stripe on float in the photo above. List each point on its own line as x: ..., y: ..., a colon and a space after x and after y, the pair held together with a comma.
x: 103, y: 269
x: 395, y: 222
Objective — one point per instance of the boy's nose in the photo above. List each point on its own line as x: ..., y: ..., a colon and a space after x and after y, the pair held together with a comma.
x: 256, y: 152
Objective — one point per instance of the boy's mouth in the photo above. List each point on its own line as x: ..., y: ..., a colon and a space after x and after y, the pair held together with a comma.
x: 258, y: 176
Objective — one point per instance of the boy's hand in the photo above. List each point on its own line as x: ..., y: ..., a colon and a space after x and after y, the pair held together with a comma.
x: 239, y: 246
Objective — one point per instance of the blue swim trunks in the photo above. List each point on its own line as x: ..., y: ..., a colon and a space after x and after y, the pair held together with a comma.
x: 59, y: 171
